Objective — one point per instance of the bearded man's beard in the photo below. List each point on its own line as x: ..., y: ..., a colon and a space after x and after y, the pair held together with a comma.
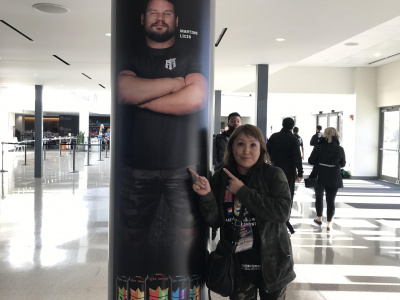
x: 231, y: 128
x: 160, y: 37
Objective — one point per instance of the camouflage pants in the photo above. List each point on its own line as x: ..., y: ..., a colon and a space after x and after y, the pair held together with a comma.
x: 249, y: 292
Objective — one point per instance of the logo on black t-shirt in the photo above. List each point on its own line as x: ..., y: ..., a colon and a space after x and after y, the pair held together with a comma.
x: 170, y: 63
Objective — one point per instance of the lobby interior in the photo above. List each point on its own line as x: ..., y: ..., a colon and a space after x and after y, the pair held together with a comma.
x: 54, y: 229
x: 54, y: 234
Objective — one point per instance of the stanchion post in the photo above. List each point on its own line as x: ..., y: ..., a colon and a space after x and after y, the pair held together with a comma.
x: 70, y: 145
x: 44, y: 149
x: 73, y: 158
x: 2, y: 154
x: 26, y: 144
x: 100, y: 148
x: 59, y: 144
x: 106, y: 149
x: 88, y: 152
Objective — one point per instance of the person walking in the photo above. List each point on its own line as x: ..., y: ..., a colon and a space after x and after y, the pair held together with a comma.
x: 221, y: 140
x: 296, y: 134
x: 283, y: 148
x: 327, y: 158
x: 265, y: 264
x: 318, y: 134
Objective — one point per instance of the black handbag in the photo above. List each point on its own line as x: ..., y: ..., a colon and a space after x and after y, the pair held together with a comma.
x: 220, y: 263
x: 312, y: 182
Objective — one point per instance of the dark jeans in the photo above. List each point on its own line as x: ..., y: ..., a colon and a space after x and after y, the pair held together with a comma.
x: 244, y: 289
x: 291, y: 178
x: 147, y: 249
x: 330, y: 194
x: 248, y: 291
x: 142, y: 191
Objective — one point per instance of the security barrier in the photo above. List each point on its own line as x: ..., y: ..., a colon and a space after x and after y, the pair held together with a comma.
x: 70, y: 145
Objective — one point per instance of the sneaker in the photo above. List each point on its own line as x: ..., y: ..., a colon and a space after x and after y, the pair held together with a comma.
x: 317, y: 222
x: 328, y: 229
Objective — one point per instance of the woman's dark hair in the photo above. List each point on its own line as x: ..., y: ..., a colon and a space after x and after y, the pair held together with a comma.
x: 234, y: 114
x: 250, y: 131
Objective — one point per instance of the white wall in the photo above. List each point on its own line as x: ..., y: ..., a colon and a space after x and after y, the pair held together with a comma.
x: 366, y: 135
x: 302, y: 92
x: 302, y: 106
x: 388, y: 85
x: 84, y: 123
x: 4, y: 133
x: 312, y: 80
x: 293, y: 91
x: 305, y: 107
x: 243, y: 103
x: 22, y: 100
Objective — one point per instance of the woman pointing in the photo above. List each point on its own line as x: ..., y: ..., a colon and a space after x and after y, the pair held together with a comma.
x: 263, y: 258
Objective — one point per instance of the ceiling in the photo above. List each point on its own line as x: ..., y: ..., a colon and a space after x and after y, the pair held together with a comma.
x: 315, y: 32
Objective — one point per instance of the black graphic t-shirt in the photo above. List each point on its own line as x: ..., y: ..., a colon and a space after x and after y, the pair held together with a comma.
x: 155, y: 140
x: 250, y: 259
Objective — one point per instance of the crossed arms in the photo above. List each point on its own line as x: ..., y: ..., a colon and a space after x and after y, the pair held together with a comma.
x: 164, y: 95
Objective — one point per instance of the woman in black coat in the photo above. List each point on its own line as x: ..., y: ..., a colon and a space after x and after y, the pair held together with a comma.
x: 327, y: 158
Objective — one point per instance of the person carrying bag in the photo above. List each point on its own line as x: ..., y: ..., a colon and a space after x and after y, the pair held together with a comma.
x: 220, y: 263
x: 262, y: 260
x: 328, y: 158
x: 312, y: 180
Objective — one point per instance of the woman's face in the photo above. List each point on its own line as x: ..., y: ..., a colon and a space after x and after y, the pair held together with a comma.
x: 246, y: 151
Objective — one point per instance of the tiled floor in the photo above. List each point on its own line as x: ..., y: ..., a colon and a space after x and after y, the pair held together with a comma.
x: 53, y: 235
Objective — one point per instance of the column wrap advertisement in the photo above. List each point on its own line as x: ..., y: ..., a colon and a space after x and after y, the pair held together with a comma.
x: 159, y: 129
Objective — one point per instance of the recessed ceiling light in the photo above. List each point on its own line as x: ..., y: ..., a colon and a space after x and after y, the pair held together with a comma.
x: 50, y: 8
x: 377, y: 54
x: 280, y: 39
x: 248, y: 65
x: 35, y: 75
x: 108, y: 34
x: 351, y: 44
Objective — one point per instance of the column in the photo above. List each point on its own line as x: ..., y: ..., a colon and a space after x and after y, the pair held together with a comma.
x: 38, y: 131
x: 84, y: 123
x: 217, y: 112
x: 157, y: 237
x: 262, y: 97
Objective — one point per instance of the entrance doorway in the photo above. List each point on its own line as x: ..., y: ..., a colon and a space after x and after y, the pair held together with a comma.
x: 389, y: 153
x: 332, y: 119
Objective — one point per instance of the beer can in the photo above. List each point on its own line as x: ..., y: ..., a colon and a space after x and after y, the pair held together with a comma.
x: 195, y: 284
x: 180, y: 287
x: 137, y: 287
x: 158, y: 287
x: 122, y: 288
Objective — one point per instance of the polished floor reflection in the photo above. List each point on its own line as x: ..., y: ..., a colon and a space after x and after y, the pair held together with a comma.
x: 54, y: 231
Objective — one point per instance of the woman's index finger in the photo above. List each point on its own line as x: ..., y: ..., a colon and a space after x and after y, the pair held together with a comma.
x: 193, y: 173
x: 229, y: 173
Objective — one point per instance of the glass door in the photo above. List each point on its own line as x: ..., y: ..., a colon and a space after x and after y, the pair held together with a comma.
x: 332, y: 119
x: 389, y: 145
x: 322, y: 120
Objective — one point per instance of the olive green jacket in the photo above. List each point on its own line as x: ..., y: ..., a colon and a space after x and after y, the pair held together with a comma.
x: 267, y: 197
